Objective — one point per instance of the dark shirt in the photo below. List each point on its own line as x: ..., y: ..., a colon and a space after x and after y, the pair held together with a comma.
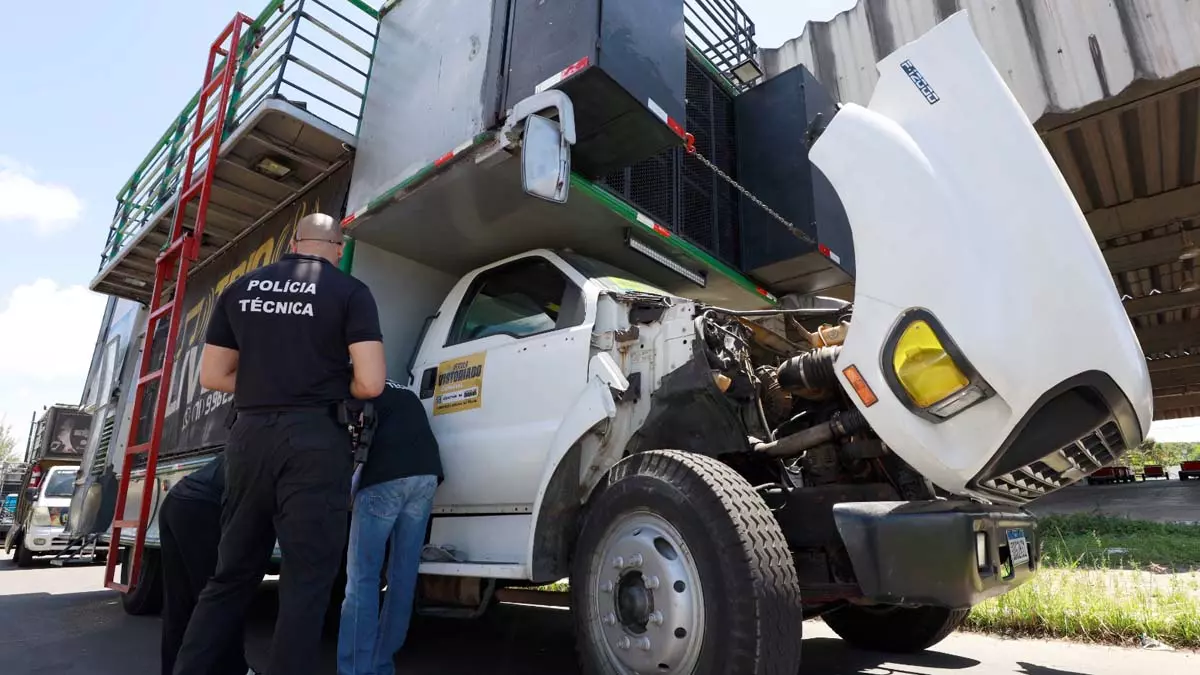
x: 292, y: 323
x: 205, y: 484
x: 403, y: 444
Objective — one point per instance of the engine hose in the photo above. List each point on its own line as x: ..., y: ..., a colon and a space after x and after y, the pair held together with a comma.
x: 842, y: 424
x: 810, y: 370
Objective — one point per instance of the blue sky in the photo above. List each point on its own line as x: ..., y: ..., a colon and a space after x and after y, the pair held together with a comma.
x: 88, y: 88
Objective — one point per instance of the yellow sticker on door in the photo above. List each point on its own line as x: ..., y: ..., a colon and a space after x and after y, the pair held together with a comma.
x: 459, y: 384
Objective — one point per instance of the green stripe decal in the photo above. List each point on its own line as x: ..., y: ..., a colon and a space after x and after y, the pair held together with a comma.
x: 628, y: 212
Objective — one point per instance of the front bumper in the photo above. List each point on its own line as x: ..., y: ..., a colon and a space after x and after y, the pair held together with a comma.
x: 46, y: 539
x: 925, y: 553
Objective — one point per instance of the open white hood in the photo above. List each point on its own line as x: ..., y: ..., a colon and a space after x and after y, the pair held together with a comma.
x: 957, y: 208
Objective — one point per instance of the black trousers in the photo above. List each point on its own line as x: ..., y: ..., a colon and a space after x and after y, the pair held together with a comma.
x: 287, y: 476
x: 189, y: 530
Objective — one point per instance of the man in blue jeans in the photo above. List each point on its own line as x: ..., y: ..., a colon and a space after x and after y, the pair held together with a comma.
x: 393, y: 501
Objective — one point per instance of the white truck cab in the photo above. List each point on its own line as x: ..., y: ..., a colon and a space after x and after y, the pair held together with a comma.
x: 42, y: 532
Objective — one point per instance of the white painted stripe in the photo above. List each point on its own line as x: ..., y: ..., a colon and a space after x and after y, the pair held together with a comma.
x: 645, y: 220
x: 835, y: 258
x: 463, y: 146
x: 658, y: 111
x: 549, y: 82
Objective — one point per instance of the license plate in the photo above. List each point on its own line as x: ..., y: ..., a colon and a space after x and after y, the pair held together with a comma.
x: 1018, y: 547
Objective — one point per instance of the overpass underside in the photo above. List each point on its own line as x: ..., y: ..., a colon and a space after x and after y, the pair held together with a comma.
x: 1114, y: 89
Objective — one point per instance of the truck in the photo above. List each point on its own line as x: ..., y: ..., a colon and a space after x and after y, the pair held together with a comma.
x: 1189, y: 469
x: 58, y: 439
x: 721, y: 352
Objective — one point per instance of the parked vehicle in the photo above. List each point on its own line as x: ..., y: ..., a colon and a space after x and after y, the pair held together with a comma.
x: 1189, y: 470
x: 708, y: 442
x: 1111, y: 474
x: 57, y: 441
x: 1154, y: 471
x: 8, y: 512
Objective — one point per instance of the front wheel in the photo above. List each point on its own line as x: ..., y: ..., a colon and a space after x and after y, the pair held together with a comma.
x: 22, y: 555
x: 681, y: 568
x: 900, y: 630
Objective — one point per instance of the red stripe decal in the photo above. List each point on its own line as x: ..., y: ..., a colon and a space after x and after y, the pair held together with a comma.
x: 575, y: 67
x: 763, y: 292
x: 823, y: 249
x: 347, y: 220
x: 443, y: 159
x: 662, y: 230
x: 676, y: 127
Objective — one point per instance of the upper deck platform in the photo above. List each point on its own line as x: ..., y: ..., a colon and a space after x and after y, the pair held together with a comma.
x: 294, y: 116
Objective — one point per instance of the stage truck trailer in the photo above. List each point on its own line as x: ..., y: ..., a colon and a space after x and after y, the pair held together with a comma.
x: 724, y: 353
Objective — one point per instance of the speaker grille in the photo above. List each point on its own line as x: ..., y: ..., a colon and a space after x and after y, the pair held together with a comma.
x: 677, y: 190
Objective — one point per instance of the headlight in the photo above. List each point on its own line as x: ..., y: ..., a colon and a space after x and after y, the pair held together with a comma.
x: 927, y: 371
x: 41, y: 517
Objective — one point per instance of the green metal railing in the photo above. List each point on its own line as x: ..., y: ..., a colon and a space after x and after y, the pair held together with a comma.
x: 316, y: 53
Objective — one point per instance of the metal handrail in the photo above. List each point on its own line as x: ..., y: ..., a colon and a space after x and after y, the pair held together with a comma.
x: 292, y: 46
x: 722, y: 33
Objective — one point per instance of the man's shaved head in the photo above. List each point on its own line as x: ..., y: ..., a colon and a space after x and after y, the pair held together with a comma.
x: 320, y: 227
x: 320, y: 235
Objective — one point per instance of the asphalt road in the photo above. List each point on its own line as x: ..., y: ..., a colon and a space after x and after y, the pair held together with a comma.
x: 1157, y: 500
x: 57, y: 621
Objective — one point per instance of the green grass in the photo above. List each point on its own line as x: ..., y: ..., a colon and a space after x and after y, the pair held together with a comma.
x: 1103, y: 580
x: 1101, y: 542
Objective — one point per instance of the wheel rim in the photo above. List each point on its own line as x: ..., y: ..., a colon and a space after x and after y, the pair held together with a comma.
x: 647, y: 611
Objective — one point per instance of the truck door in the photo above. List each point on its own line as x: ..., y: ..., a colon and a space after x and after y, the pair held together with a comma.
x: 498, y: 371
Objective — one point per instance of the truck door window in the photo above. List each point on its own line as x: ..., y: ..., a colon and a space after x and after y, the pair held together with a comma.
x: 519, y: 299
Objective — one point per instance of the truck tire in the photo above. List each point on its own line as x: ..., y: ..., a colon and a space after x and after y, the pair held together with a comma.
x: 146, y: 597
x: 680, y: 567
x: 899, y: 630
x: 23, y: 556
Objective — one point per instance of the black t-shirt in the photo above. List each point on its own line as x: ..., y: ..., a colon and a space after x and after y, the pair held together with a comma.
x: 403, y: 444
x: 205, y: 484
x: 292, y: 323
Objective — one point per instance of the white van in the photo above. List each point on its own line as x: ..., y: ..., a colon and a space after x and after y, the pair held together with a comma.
x: 45, y: 522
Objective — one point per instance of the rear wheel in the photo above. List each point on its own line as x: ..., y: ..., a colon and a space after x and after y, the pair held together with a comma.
x: 894, y: 629
x: 146, y: 597
x: 23, y: 556
x: 680, y: 567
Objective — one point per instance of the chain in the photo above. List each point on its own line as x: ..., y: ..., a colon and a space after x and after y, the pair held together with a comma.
x: 800, y: 234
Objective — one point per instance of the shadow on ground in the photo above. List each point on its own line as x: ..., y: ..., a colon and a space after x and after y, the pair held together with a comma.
x: 87, y: 632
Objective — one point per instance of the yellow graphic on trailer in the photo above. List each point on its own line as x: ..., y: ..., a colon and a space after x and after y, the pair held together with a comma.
x: 459, y: 384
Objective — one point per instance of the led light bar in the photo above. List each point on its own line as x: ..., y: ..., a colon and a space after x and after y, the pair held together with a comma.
x: 697, y: 278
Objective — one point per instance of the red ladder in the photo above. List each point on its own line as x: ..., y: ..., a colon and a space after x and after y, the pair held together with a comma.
x: 170, y: 283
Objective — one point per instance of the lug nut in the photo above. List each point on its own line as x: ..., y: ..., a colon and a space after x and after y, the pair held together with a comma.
x: 618, y: 562
x: 624, y: 643
x: 644, y: 644
x: 635, y: 560
x: 651, y: 582
x: 607, y: 587
x: 610, y: 619
x: 656, y: 618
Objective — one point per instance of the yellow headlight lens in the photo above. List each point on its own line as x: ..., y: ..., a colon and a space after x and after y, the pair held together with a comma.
x: 924, y: 368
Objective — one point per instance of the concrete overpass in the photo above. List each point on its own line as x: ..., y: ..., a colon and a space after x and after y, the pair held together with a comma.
x: 1114, y: 88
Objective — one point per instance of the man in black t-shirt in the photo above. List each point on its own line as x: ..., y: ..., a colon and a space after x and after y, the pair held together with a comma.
x: 394, y: 498
x: 189, y: 527
x: 279, y: 340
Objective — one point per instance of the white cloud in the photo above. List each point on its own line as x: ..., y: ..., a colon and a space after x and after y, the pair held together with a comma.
x: 47, y: 334
x: 23, y: 199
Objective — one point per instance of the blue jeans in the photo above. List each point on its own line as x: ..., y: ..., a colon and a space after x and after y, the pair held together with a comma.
x: 398, y: 509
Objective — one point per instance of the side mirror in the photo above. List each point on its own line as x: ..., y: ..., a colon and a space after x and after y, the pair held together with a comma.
x: 545, y: 160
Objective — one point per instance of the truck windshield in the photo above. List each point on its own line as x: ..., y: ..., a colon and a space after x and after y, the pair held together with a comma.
x: 612, y: 278
x: 60, y: 484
